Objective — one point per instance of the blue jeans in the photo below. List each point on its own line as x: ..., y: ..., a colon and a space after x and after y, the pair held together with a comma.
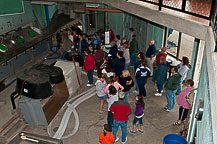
x: 159, y: 87
x: 179, y: 89
x: 137, y: 87
x: 123, y: 125
x: 137, y: 119
x: 127, y: 93
x: 126, y: 66
x: 171, y: 98
x: 133, y: 59
x: 90, y: 76
x: 110, y: 119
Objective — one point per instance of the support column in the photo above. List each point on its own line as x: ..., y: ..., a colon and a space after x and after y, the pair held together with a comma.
x: 179, y: 44
x: 194, y: 58
x: 165, y: 36
x: 106, y: 18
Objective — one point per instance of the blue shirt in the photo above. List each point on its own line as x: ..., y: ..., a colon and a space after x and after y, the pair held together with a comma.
x: 151, y: 51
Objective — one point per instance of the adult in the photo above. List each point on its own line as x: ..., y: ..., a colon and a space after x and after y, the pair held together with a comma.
x: 120, y: 110
x: 130, y: 34
x: 66, y: 46
x: 99, y: 54
x: 82, y: 45
x: 171, y: 86
x: 150, y: 55
x: 113, y: 51
x: 120, y: 64
x: 112, y: 35
x: 133, y: 50
x: 162, y: 53
x: 77, y: 57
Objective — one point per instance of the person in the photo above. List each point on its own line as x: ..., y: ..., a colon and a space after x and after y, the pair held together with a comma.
x: 107, y: 64
x: 120, y: 110
x: 120, y: 64
x: 99, y: 54
x: 75, y: 38
x: 112, y: 81
x: 89, y: 67
x: 140, y: 57
x: 126, y: 52
x: 112, y: 35
x: 142, y: 73
x: 113, y: 97
x: 113, y: 51
x: 162, y: 53
x: 131, y: 33
x: 160, y: 75
x: 118, y: 41
x: 106, y: 137
x: 183, y: 101
x: 77, y: 57
x: 66, y: 46
x: 100, y: 86
x: 127, y: 82
x: 95, y: 40
x: 150, y: 55
x: 82, y: 45
x: 183, y: 70
x: 139, y: 113
x: 171, y: 88
x: 133, y: 50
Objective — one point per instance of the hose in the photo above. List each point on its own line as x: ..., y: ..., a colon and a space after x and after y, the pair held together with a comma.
x: 53, y: 53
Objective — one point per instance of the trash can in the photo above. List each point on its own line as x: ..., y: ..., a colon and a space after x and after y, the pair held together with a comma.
x: 174, y: 139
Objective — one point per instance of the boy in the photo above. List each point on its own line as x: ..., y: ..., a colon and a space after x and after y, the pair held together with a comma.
x: 106, y: 137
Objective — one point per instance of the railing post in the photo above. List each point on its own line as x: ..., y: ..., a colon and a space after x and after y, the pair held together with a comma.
x: 183, y: 5
x: 160, y: 4
x: 212, y: 11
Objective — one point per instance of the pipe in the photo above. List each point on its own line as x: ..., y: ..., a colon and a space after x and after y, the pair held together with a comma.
x: 107, y: 10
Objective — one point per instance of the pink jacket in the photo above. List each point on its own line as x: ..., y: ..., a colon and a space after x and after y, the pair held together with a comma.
x: 182, y: 98
x: 116, y: 85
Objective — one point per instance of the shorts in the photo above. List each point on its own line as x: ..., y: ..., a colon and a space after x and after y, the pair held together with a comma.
x: 102, y: 97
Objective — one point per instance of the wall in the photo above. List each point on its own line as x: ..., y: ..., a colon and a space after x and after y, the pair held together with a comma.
x: 10, y: 22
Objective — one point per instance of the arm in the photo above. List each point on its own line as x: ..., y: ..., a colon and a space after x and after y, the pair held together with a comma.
x: 106, y: 89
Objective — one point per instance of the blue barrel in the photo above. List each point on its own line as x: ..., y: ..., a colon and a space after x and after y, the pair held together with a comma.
x: 174, y: 139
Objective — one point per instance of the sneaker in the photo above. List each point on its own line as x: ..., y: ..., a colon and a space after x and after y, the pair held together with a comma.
x: 89, y: 85
x: 95, y: 70
x: 166, y: 107
x: 161, y: 91
x: 135, y: 91
x: 117, y: 139
x: 167, y: 110
x: 125, y: 141
x: 158, y: 94
x: 141, y: 131
x: 132, y: 132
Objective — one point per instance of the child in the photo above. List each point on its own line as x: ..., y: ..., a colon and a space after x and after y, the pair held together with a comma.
x: 126, y: 55
x: 142, y: 73
x: 100, y: 86
x: 89, y: 67
x: 127, y: 82
x: 183, y: 103
x: 160, y: 75
x: 106, y: 137
x: 112, y: 81
x: 138, y: 115
x: 113, y: 97
x: 99, y: 54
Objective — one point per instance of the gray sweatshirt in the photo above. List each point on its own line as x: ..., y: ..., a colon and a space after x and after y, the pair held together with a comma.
x: 111, y: 100
x: 100, y: 86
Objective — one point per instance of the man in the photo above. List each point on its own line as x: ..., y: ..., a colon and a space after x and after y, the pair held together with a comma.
x: 130, y: 35
x: 150, y: 55
x: 120, y: 64
x: 133, y: 50
x: 171, y: 86
x: 120, y: 110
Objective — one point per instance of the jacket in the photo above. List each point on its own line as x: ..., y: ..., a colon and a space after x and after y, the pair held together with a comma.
x: 99, y: 54
x: 151, y: 51
x: 139, y: 110
x: 125, y: 82
x: 120, y: 110
x: 142, y: 74
x: 173, y: 81
x: 100, y: 86
x: 182, y: 98
x: 111, y: 100
x: 134, y: 46
x: 126, y: 56
x: 113, y: 51
x: 119, y: 66
x: 160, y: 73
x: 106, y: 138
x: 89, y: 63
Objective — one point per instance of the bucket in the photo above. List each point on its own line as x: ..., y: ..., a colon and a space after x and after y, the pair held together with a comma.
x: 174, y: 139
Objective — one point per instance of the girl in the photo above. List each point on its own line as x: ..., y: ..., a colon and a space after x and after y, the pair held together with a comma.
x: 89, y: 67
x: 160, y: 75
x: 127, y: 82
x: 138, y: 115
x: 183, y: 69
x: 183, y: 103
x: 99, y: 54
x: 142, y: 73
x: 113, y: 82
x: 126, y: 55
x: 100, y: 86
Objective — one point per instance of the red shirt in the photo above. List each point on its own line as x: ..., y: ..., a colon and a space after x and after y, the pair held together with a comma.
x: 108, y: 139
x: 121, y: 110
x: 159, y: 55
x: 89, y: 63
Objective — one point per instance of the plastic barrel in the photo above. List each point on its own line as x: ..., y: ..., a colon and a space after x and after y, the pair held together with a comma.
x: 174, y: 139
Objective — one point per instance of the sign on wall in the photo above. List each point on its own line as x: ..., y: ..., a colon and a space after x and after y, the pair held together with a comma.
x: 11, y: 7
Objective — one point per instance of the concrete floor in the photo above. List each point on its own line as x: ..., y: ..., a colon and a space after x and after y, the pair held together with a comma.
x: 157, y: 122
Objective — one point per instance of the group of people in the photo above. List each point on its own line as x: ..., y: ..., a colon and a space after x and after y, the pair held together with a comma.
x: 114, y: 82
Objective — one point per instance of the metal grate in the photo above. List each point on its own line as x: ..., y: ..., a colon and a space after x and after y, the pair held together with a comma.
x: 173, y: 3
x: 200, y: 7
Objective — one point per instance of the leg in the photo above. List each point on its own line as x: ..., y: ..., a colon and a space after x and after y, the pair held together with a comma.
x: 173, y: 99
x: 169, y: 99
x: 141, y: 124
x: 179, y: 89
x: 90, y: 76
x: 126, y: 66
x: 159, y: 87
x: 115, y: 128
x: 134, y: 123
x: 185, y: 114
x: 110, y: 118
x: 124, y: 130
x: 126, y: 96
x: 137, y: 87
